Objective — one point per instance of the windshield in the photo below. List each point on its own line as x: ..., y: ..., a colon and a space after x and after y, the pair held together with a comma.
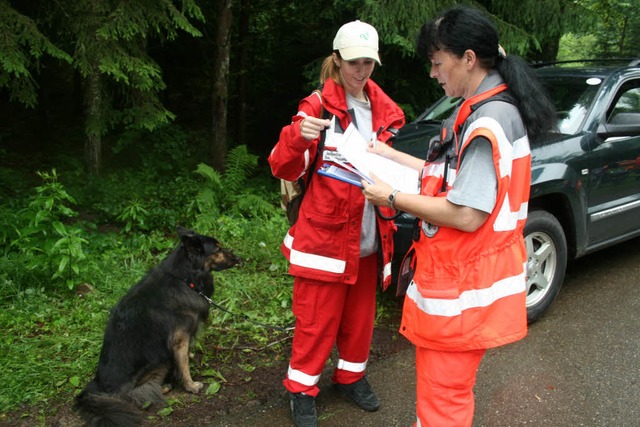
x: 572, y: 97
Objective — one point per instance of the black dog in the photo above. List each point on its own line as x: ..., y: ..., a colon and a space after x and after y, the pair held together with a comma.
x: 147, y: 337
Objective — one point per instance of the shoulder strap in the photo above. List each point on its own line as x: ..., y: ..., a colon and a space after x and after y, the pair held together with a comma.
x: 466, y: 108
x: 324, y: 114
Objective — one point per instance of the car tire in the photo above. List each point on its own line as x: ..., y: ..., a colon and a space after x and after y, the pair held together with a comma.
x: 546, y: 261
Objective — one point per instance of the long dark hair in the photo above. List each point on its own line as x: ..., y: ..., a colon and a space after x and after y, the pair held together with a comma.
x: 461, y: 28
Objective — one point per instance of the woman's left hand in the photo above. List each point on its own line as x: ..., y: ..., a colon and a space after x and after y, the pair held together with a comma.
x: 378, y: 192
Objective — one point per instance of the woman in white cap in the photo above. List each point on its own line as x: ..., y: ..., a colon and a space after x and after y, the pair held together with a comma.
x: 339, y: 249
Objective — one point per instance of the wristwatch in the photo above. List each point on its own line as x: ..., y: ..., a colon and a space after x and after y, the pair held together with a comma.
x: 392, y: 198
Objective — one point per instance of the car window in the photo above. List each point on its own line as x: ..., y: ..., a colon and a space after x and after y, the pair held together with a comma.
x: 572, y: 98
x: 626, y: 109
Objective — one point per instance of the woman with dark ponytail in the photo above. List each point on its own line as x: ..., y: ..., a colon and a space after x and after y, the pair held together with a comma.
x: 468, y: 291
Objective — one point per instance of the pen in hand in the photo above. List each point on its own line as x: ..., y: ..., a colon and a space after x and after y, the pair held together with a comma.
x: 375, y: 135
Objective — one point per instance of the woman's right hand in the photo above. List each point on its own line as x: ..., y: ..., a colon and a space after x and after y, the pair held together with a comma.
x: 310, y: 127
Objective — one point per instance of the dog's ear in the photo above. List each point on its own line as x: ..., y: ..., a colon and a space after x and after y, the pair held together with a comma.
x: 182, y: 232
x: 189, y: 239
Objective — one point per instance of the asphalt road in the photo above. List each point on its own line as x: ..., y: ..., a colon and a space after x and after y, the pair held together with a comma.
x: 578, y: 366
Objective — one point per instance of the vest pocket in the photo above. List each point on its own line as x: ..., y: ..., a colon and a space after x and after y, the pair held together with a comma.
x: 438, y: 312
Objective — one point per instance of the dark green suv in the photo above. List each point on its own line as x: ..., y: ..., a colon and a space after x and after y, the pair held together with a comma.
x: 585, y: 183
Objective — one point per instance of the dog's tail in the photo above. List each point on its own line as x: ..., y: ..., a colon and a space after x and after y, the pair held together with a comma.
x: 104, y: 410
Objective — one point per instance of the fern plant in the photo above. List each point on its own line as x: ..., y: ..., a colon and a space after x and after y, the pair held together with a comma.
x: 211, y: 192
x: 229, y: 193
x: 240, y: 165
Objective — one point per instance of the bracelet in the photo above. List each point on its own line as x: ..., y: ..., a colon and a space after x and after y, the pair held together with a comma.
x: 392, y: 198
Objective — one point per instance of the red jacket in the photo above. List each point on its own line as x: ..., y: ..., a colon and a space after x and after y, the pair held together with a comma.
x: 324, y: 243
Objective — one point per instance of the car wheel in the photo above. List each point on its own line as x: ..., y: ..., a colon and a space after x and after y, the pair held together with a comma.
x: 546, y: 261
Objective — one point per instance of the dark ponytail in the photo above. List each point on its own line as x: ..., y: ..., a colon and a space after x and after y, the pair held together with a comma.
x: 537, y: 110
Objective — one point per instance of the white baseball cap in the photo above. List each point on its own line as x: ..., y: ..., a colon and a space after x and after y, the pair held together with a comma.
x: 355, y: 40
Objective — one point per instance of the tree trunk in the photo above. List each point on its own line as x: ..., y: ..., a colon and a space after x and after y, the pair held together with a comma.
x: 92, y: 95
x: 623, y: 35
x: 93, y: 107
x: 242, y: 73
x: 220, y: 86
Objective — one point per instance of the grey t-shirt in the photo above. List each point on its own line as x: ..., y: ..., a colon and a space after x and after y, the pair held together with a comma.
x: 362, y: 118
x: 476, y: 183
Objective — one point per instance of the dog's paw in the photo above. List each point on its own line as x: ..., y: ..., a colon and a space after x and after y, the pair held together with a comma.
x: 195, y: 387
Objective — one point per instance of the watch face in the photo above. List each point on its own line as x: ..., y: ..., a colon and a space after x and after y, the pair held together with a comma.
x: 392, y: 197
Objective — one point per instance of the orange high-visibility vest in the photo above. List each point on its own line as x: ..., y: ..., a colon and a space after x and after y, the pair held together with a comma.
x: 468, y: 291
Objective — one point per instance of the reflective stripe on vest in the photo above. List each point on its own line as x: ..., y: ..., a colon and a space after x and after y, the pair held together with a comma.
x: 510, y: 155
x: 508, y: 219
x: 468, y: 299
x: 508, y: 151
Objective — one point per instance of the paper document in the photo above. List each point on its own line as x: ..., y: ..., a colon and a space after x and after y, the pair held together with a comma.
x: 354, y: 148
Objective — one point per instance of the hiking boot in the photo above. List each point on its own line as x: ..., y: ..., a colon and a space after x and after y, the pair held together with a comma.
x: 303, y: 410
x: 361, y: 393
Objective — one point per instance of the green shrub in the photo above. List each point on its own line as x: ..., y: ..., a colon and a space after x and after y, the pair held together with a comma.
x: 42, y: 235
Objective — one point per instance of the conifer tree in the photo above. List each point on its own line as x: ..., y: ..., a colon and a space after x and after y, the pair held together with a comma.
x: 106, y: 42
x: 122, y: 81
x: 22, y: 46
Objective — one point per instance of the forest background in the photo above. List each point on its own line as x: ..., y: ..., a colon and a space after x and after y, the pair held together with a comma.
x: 121, y: 119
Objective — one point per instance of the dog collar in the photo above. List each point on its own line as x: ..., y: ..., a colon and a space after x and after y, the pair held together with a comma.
x: 192, y: 286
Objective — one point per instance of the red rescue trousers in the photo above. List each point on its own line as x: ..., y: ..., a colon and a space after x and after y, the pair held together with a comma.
x: 444, y: 391
x: 328, y: 314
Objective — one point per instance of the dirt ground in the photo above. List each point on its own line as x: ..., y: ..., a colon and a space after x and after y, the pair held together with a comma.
x: 242, y: 390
